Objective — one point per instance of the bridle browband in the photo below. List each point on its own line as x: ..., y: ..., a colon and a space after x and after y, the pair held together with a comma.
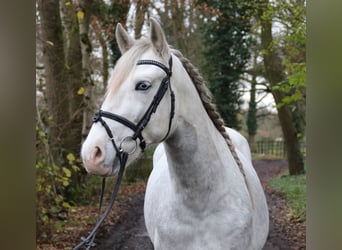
x: 137, y: 129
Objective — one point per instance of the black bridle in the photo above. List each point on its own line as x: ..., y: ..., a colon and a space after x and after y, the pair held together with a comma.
x: 137, y: 129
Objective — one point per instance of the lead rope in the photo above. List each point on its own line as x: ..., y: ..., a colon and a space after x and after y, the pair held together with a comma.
x: 89, y: 241
x: 103, y: 186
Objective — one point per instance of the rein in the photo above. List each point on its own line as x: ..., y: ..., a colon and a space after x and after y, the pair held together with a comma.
x: 137, y: 129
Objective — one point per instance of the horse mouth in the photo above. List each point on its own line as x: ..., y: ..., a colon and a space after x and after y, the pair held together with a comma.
x: 100, y: 171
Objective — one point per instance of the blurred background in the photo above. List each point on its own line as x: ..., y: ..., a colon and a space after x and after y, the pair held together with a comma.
x: 251, y: 53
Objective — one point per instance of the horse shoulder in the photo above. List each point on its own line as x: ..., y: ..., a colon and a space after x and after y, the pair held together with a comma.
x: 158, y: 153
x: 260, y: 213
x: 217, y: 230
x: 239, y: 142
x: 157, y: 192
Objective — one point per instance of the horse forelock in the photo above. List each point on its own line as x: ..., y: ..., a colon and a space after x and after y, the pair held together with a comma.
x: 125, y: 64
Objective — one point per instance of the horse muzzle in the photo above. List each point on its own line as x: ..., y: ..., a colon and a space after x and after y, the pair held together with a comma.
x: 97, y: 159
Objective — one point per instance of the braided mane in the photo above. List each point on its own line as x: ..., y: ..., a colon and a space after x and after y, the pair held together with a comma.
x: 206, y: 99
x: 203, y: 92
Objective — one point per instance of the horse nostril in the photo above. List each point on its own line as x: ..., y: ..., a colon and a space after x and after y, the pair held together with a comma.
x: 98, y: 153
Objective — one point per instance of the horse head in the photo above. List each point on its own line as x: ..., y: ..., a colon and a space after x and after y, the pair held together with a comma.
x: 139, y: 103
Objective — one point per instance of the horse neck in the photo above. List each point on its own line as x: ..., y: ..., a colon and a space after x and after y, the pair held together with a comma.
x: 197, y: 154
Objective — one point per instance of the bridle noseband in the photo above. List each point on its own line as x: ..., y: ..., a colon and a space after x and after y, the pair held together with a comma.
x: 121, y: 153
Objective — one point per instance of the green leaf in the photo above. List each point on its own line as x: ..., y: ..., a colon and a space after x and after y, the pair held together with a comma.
x: 42, y: 134
x: 55, y: 167
x: 66, y: 204
x: 58, y: 199
x: 67, y: 172
x: 54, y: 209
x: 80, y: 14
x: 80, y: 91
x: 70, y: 157
x: 75, y: 168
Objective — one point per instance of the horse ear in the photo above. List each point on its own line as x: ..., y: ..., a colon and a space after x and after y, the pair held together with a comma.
x: 157, y: 37
x: 125, y: 42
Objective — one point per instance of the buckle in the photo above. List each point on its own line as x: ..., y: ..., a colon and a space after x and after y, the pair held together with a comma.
x: 97, y: 116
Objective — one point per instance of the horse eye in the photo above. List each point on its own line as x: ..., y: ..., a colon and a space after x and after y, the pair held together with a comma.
x: 143, y: 85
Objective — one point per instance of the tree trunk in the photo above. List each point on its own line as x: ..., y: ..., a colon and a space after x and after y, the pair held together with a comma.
x: 178, y: 17
x: 118, y: 12
x: 252, y: 112
x: 252, y: 123
x: 83, y: 17
x: 62, y: 57
x: 54, y: 62
x: 141, y: 9
x: 274, y: 71
x: 105, y: 63
x: 71, y: 130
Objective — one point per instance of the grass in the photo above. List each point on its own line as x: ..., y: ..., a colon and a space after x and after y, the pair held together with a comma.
x: 294, y: 189
x: 256, y: 156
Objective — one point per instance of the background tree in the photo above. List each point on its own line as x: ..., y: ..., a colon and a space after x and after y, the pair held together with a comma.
x: 252, y: 124
x: 76, y: 47
x: 226, y: 54
x: 141, y: 9
x: 259, y: 88
x: 180, y: 20
x: 66, y: 51
x: 54, y: 64
x: 59, y: 126
x: 287, y: 84
x: 292, y: 40
x: 117, y: 13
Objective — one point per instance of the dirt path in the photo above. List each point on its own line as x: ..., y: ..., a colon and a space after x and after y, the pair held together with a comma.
x: 130, y: 232
x: 285, y: 232
x: 266, y: 170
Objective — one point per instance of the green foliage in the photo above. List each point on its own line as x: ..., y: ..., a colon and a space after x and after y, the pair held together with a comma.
x: 52, y: 181
x: 251, y: 119
x: 140, y: 170
x: 294, y: 86
x: 294, y: 188
x: 227, y: 52
x: 292, y: 41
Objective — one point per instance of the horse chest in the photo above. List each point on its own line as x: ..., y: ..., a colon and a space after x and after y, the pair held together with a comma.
x: 181, y: 229
x: 173, y: 225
